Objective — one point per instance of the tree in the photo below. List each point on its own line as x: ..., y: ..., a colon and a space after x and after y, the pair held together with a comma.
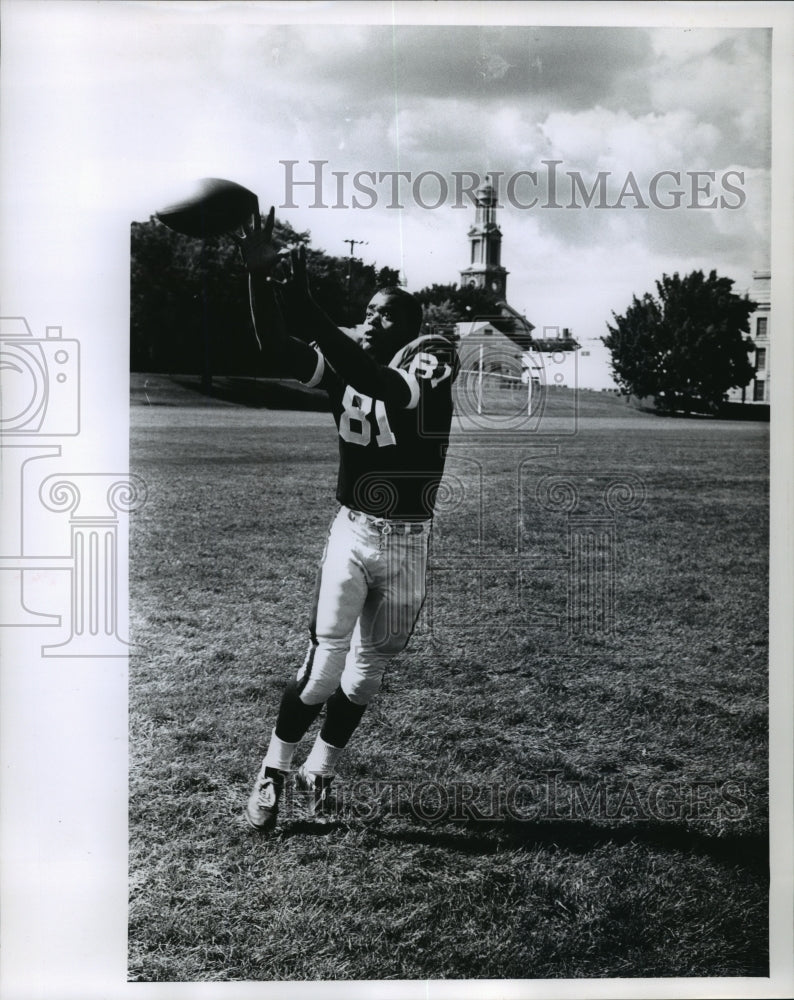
x: 343, y: 286
x: 189, y: 309
x: 188, y: 304
x: 446, y: 305
x: 685, y: 346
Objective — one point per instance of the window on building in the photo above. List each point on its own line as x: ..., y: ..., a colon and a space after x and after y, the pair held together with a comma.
x: 760, y: 326
x: 760, y: 359
x: 758, y: 390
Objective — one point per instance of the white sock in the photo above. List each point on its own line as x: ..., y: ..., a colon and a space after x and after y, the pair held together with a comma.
x: 322, y: 758
x: 279, y: 754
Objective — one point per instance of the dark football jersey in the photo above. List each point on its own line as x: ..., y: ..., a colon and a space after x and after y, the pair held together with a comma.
x: 391, y: 458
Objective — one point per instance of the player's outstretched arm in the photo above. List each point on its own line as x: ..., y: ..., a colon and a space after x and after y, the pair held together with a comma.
x: 345, y: 354
x: 282, y: 354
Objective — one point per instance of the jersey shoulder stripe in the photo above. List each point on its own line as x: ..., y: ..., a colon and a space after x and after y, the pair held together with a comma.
x: 319, y: 370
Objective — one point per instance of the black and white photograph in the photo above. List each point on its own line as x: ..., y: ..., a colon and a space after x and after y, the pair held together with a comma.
x: 397, y: 469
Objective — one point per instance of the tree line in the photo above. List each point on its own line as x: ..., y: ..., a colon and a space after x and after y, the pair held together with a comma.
x: 189, y: 311
x: 189, y: 314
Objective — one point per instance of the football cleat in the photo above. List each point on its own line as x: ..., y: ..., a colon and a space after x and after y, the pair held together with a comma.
x: 318, y: 787
x: 262, y: 809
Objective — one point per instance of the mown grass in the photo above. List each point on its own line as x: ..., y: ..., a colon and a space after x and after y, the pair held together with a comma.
x: 493, y: 691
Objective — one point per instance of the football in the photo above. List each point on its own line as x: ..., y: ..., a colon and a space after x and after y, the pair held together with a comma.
x: 216, y: 206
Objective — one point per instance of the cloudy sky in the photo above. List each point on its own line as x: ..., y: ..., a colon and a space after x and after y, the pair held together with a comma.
x: 138, y: 99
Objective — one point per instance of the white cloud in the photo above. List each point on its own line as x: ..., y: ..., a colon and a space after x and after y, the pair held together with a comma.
x: 722, y: 77
x: 603, y: 139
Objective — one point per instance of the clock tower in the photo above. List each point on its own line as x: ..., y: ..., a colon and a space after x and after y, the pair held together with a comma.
x: 485, y: 237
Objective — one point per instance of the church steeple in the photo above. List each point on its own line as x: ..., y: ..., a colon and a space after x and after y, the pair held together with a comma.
x: 485, y: 237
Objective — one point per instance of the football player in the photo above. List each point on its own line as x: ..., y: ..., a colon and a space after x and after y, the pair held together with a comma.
x: 391, y: 397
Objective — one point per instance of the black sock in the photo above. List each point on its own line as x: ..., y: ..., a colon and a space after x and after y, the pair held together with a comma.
x: 294, y: 715
x: 341, y: 719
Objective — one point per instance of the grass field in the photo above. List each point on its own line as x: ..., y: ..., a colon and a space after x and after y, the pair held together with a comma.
x: 526, y: 799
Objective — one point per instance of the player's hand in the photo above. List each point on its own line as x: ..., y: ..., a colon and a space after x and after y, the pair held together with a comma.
x: 296, y: 289
x: 300, y: 309
x: 256, y: 245
x: 299, y: 283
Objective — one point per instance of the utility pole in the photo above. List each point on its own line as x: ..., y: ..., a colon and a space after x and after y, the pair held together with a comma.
x: 351, y: 244
x: 354, y: 243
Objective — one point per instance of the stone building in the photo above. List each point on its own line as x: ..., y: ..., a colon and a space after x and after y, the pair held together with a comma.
x: 758, y: 391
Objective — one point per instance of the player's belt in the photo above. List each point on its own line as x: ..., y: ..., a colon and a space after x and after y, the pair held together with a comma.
x: 388, y: 527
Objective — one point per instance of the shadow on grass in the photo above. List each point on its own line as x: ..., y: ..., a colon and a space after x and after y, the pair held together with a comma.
x: 749, y: 850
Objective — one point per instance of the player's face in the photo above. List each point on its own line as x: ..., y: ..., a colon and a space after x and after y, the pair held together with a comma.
x: 385, y: 327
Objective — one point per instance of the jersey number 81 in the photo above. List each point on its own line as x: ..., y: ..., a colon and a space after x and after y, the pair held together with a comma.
x: 355, y: 428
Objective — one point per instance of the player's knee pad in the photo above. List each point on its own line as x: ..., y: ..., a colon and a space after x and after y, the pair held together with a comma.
x: 317, y: 690
x: 319, y: 675
x: 361, y: 690
x: 363, y: 676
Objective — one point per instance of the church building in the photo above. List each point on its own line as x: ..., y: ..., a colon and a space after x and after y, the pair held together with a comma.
x: 485, y: 271
x: 506, y: 339
x: 485, y: 238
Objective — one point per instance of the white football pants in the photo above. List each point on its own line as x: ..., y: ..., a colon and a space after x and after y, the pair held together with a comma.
x: 370, y: 590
